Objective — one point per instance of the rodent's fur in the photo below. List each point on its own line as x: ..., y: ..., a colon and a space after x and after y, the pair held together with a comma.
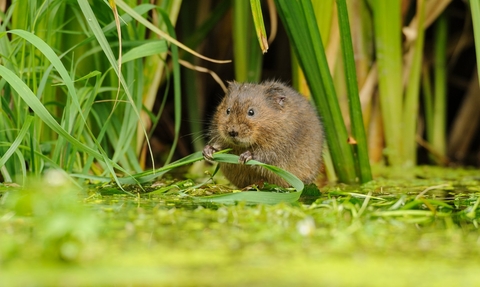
x: 269, y: 122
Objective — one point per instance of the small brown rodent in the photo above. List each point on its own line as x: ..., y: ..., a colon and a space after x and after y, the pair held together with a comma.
x: 271, y: 123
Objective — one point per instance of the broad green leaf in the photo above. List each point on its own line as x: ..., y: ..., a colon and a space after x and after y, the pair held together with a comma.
x: 290, y: 178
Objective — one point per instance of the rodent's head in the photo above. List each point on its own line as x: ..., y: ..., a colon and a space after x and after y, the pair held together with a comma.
x: 250, y: 114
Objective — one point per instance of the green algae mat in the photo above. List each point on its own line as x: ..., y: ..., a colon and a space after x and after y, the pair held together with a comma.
x: 421, y: 230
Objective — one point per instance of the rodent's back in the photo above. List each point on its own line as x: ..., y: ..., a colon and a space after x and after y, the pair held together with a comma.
x: 276, y: 124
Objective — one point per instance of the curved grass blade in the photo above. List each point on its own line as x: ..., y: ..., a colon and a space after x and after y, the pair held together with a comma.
x: 287, y: 176
x: 247, y: 196
x: 259, y: 25
x: 150, y: 48
x: 6, y: 175
x: 149, y: 175
x: 21, y: 135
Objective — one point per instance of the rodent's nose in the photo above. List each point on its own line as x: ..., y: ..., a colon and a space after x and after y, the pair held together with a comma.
x: 233, y: 133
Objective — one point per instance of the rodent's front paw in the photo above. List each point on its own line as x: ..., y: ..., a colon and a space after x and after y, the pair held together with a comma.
x: 244, y: 157
x: 208, y: 151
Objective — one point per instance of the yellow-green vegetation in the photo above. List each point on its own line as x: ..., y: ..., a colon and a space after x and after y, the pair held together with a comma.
x: 389, y: 232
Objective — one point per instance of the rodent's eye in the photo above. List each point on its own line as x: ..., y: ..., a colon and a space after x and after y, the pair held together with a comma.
x: 228, y: 111
x: 251, y: 112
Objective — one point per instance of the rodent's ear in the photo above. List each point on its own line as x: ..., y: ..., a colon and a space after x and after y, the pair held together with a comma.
x: 277, y: 94
x: 232, y: 86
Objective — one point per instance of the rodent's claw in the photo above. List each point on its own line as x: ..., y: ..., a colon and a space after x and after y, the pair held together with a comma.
x: 244, y: 157
x: 208, y: 151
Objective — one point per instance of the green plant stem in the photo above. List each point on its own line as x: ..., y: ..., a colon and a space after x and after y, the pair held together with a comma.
x: 428, y: 105
x: 410, y: 111
x: 387, y: 26
x: 440, y: 84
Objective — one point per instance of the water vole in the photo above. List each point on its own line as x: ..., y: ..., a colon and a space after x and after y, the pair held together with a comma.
x: 269, y: 122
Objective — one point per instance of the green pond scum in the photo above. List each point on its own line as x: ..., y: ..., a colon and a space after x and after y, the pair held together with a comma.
x: 416, y: 231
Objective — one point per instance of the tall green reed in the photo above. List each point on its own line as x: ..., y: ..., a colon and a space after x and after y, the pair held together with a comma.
x: 247, y: 54
x: 387, y: 27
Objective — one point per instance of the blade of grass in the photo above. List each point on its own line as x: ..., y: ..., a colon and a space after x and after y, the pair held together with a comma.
x: 475, y: 10
x: 23, y: 168
x: 20, y: 137
x: 358, y: 129
x: 259, y: 26
x: 290, y: 178
x: 151, y: 47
